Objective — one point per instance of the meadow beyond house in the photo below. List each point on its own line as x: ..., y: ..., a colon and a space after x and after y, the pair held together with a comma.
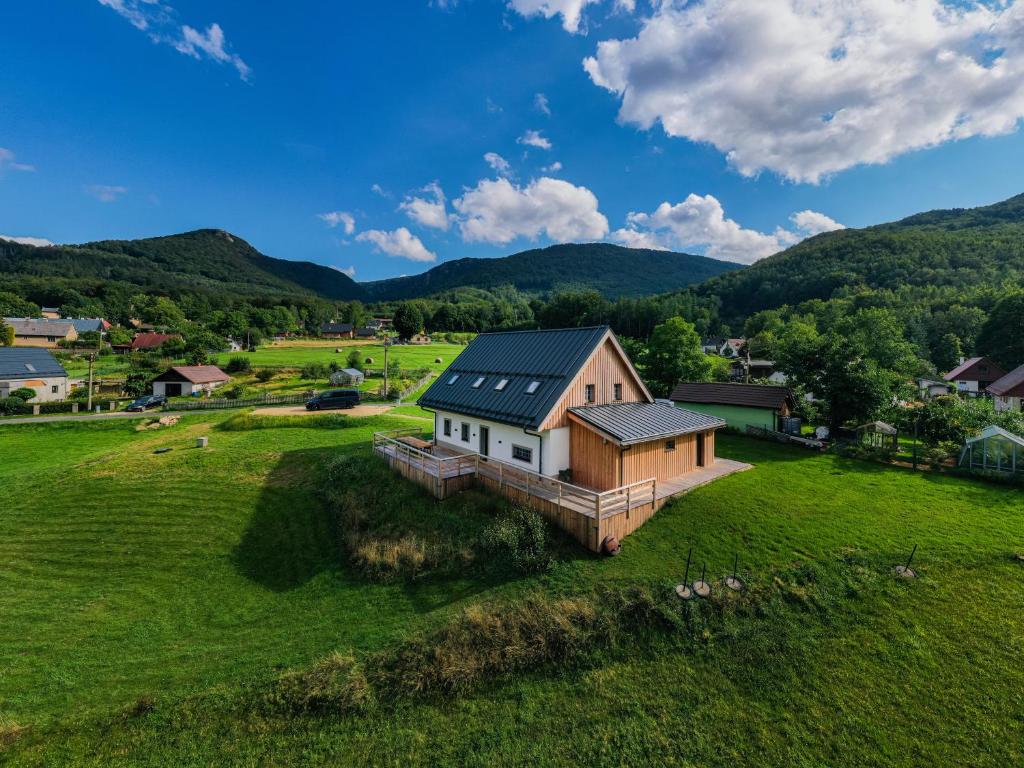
x: 562, y: 420
x: 35, y: 369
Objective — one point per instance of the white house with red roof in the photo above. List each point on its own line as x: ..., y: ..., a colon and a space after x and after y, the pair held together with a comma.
x: 974, y: 375
x: 189, y: 380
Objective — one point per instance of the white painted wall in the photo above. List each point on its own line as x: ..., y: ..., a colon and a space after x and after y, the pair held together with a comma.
x: 502, y: 437
x: 44, y: 393
x: 968, y: 387
x: 187, y: 387
x: 1008, y: 403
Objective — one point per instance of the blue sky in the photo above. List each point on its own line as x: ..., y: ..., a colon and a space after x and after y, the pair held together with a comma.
x: 721, y: 127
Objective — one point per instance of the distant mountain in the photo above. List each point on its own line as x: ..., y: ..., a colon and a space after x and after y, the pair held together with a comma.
x: 206, y: 261
x: 961, y: 249
x: 611, y: 269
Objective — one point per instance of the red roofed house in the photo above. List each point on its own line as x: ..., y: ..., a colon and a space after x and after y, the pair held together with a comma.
x: 973, y: 376
x: 146, y: 341
x: 189, y: 380
x: 1009, y: 391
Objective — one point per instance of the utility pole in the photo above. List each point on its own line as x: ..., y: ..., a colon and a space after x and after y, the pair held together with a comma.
x: 88, y: 406
x: 387, y: 345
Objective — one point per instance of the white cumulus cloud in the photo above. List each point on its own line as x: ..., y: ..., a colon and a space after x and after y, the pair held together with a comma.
x: 808, y: 88
x: 428, y: 211
x: 534, y: 139
x: 159, y: 21
x: 700, y: 222
x: 39, y: 242
x: 555, y: 167
x: 400, y: 243
x: 500, y: 165
x: 571, y: 11
x: 497, y: 211
x: 344, y: 219
x: 540, y: 103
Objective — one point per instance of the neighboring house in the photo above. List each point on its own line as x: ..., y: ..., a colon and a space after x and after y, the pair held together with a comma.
x: 711, y: 345
x: 743, y: 369
x: 34, y: 369
x: 337, y: 330
x: 973, y: 376
x: 380, y: 323
x: 929, y: 388
x: 366, y: 333
x: 41, y: 332
x: 146, y: 342
x: 89, y: 324
x: 349, y: 376
x: 732, y: 347
x: 759, y: 405
x: 564, y: 402
x: 50, y: 312
x: 188, y: 380
x: 1008, y: 391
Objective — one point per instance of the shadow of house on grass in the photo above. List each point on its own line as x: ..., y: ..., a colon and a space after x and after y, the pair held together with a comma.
x: 291, y: 536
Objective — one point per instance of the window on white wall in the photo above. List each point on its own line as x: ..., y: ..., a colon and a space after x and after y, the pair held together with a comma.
x: 465, y: 432
x: 447, y: 427
x: 521, y: 453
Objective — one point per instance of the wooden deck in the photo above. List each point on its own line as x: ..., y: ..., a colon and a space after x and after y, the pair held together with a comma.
x: 586, y: 514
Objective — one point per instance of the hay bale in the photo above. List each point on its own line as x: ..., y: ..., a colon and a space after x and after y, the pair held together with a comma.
x: 369, y: 361
x: 437, y: 360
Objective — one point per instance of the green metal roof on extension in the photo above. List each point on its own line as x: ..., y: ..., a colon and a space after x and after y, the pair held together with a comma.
x: 536, y: 366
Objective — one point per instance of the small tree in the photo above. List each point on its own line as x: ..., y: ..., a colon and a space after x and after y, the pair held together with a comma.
x: 6, y: 334
x: 408, y: 320
x: 354, y: 360
x: 23, y: 393
x: 674, y: 354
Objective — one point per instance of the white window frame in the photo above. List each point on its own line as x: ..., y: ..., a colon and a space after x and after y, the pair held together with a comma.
x: 590, y: 393
x: 464, y: 432
x: 446, y: 427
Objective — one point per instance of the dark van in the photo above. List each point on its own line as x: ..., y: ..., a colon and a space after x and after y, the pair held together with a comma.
x: 334, y: 398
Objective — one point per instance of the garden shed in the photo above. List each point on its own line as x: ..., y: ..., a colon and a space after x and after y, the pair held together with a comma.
x: 347, y: 377
x: 878, y: 434
x: 994, y: 450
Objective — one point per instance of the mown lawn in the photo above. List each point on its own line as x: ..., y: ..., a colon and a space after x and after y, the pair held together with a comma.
x: 191, y: 576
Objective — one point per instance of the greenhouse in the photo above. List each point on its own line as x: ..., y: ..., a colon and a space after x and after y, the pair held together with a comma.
x: 994, y: 450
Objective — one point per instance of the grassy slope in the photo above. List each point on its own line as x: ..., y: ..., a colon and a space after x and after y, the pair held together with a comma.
x: 190, y: 572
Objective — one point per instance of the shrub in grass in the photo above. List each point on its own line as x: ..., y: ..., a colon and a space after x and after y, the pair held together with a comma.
x: 335, y: 684
x: 236, y: 392
x: 521, y: 536
x: 11, y: 405
x: 314, y: 371
x: 239, y: 364
x: 264, y: 374
x: 23, y: 393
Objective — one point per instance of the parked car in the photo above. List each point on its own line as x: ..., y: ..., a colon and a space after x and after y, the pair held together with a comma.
x: 146, y: 402
x: 334, y: 398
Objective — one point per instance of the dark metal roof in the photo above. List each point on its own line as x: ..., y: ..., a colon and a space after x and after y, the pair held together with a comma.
x: 551, y: 358
x: 631, y: 423
x: 28, y: 363
x: 336, y: 328
x: 1011, y: 384
x: 749, y: 395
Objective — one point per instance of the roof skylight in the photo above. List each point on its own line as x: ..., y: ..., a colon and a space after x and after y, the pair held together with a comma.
x: 501, y: 385
x: 453, y: 379
x: 532, y: 387
x: 478, y: 382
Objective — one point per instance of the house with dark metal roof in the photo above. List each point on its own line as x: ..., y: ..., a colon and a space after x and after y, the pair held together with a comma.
x: 564, y: 403
x: 32, y: 368
x: 738, y: 405
x: 974, y: 375
x: 337, y: 330
x: 1008, y: 391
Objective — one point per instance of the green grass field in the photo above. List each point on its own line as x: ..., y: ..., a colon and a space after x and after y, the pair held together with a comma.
x: 191, y: 578
x: 296, y: 355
